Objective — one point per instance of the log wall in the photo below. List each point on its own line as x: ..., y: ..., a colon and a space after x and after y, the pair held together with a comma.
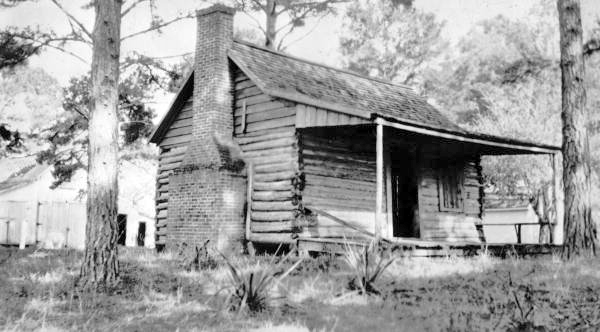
x: 172, y: 150
x: 446, y: 225
x: 339, y: 172
x: 265, y: 131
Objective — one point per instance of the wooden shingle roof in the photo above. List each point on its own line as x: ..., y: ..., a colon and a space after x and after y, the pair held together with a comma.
x: 283, y: 76
x: 303, y: 81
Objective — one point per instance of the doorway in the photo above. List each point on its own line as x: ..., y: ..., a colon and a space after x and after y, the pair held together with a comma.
x: 404, y: 194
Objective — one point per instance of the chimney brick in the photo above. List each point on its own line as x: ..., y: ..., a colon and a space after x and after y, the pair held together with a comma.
x: 206, y: 195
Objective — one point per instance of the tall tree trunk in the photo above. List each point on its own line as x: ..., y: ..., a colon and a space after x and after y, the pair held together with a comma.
x: 579, y: 228
x: 271, y: 28
x: 100, y: 266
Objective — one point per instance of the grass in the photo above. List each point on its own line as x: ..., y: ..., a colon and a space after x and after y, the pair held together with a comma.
x: 446, y: 294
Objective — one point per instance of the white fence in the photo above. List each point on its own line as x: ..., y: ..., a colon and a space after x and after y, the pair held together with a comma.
x: 49, y: 224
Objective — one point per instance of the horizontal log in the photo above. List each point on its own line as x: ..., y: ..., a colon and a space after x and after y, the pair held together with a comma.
x: 272, y: 215
x: 323, y: 190
x: 173, y: 132
x: 337, y: 157
x: 337, y: 203
x: 258, y: 108
x: 262, y: 98
x: 358, y: 144
x: 161, y: 231
x: 171, y: 160
x: 285, y: 151
x: 181, y: 122
x: 244, y: 83
x: 271, y: 227
x: 334, y: 182
x: 162, y: 206
x: 289, y: 156
x: 342, y: 174
x: 274, y: 206
x: 170, y: 152
x: 268, y: 124
x: 276, y: 176
x: 273, y: 186
x: 264, y: 116
x: 270, y: 144
x: 168, y: 167
x: 161, y: 223
x: 246, y: 92
x: 162, y: 214
x: 272, y: 195
x: 178, y: 141
x: 272, y: 238
x: 243, y: 140
x: 278, y: 167
x: 163, y: 197
x: 344, y: 166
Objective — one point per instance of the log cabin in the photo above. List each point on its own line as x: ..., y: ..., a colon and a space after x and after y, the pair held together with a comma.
x: 263, y: 147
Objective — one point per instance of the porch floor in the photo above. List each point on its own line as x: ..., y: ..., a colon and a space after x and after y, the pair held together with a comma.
x: 424, y: 248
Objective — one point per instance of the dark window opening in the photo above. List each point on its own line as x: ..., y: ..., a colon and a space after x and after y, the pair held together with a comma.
x: 450, y: 184
x: 141, y: 235
x: 122, y: 228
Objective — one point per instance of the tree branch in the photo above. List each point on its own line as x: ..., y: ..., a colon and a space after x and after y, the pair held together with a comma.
x: 591, y: 46
x: 132, y: 6
x: 48, y: 42
x: 73, y: 19
x: 157, y: 26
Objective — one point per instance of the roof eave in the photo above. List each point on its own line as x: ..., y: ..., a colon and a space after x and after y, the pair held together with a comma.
x: 516, y: 146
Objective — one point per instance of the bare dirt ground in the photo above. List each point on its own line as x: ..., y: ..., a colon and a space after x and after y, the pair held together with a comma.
x: 158, y: 293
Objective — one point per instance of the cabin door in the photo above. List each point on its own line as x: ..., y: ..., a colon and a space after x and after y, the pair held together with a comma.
x: 404, y: 195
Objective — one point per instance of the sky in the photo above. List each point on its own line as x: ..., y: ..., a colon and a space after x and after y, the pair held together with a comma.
x: 321, y: 45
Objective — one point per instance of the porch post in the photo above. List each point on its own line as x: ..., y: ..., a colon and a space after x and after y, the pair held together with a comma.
x: 379, y: 179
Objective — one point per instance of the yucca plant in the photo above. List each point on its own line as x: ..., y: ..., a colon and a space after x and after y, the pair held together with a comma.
x: 251, y: 288
x: 367, y: 265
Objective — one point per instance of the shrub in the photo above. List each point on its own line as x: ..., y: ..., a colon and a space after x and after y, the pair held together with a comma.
x: 197, y: 257
x: 367, y: 265
x: 251, y: 288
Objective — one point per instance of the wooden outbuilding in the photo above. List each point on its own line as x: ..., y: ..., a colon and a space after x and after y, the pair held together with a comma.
x: 318, y: 145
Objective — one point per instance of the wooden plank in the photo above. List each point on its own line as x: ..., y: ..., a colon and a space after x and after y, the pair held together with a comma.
x: 273, y: 215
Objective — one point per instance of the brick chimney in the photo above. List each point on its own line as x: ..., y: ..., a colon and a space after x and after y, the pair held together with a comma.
x: 206, y: 194
x: 213, y: 86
